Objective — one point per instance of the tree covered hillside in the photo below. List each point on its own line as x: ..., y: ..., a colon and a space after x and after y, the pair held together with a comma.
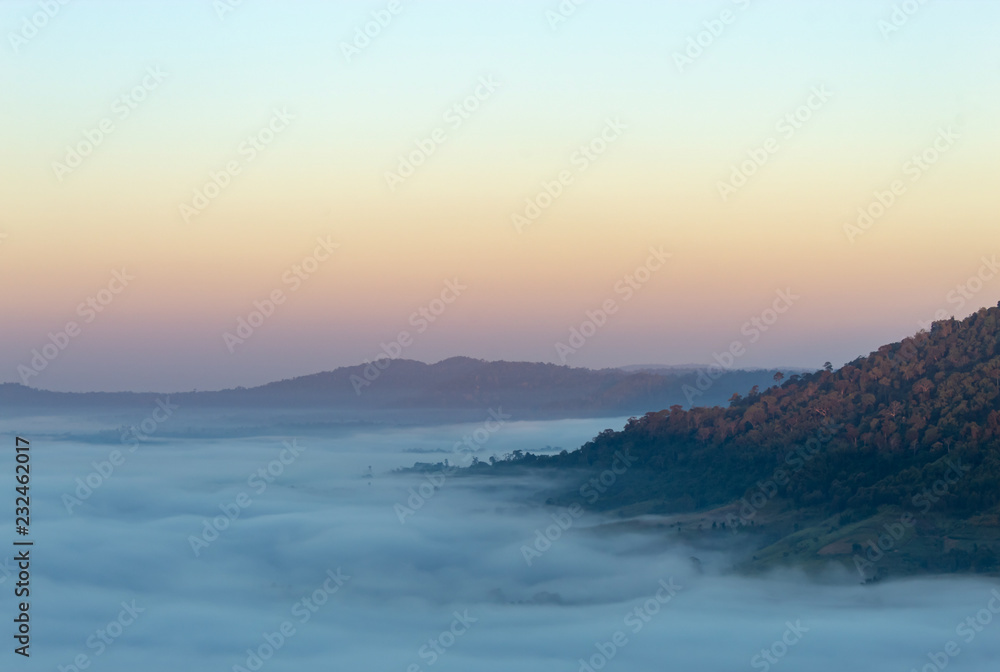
x: 912, y: 427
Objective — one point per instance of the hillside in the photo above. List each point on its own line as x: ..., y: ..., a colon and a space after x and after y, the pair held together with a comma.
x: 890, y: 464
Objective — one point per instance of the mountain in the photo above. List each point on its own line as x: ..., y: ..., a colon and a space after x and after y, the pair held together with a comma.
x: 890, y: 464
x: 401, y: 390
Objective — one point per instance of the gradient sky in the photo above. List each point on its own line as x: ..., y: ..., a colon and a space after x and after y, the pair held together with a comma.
x: 324, y: 175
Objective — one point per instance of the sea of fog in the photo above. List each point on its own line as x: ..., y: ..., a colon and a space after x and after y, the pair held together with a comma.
x: 326, y: 568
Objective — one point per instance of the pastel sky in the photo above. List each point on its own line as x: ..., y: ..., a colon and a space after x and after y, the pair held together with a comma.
x: 178, y: 87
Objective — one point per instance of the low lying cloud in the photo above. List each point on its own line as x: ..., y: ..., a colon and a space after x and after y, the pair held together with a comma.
x: 318, y: 573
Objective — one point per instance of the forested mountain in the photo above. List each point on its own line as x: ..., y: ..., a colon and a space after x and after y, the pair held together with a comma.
x: 827, y: 462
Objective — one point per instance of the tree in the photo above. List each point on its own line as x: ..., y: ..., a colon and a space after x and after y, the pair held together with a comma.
x: 994, y: 373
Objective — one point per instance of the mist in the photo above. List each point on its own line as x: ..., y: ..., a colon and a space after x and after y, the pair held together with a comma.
x: 306, y: 552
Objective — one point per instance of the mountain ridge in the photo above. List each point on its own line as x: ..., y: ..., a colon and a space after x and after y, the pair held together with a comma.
x: 461, y: 384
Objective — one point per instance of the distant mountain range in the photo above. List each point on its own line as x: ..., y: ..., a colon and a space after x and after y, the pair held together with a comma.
x: 455, y: 389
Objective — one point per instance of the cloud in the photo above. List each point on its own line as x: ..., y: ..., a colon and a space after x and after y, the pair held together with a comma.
x: 599, y: 593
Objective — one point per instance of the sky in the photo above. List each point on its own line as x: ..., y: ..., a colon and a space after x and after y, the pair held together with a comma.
x: 486, y: 177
